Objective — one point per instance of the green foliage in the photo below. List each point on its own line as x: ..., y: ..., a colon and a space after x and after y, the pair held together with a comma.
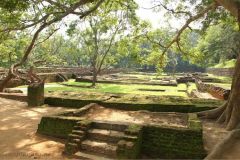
x: 13, y: 5
x: 226, y: 64
x: 99, y: 34
x: 11, y: 49
x: 218, y: 44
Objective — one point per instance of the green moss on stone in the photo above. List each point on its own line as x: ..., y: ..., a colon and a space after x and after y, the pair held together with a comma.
x: 172, y: 143
x: 56, y: 126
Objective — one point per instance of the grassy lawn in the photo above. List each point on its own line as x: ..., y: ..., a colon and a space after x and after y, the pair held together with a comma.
x: 145, y: 75
x: 223, y: 79
x: 119, y: 88
x: 192, y: 87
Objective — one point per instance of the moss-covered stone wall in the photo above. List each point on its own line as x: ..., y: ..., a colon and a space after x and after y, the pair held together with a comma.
x: 71, y: 103
x: 156, y: 142
x: 56, y: 126
x: 183, y: 108
x: 78, y: 103
x: 174, y: 143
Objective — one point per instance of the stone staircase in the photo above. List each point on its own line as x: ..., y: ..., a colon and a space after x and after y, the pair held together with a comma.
x: 95, y: 140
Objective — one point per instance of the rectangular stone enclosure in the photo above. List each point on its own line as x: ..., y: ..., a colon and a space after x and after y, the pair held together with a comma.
x: 155, y: 138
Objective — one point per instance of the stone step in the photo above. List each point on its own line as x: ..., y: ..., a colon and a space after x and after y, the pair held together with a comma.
x: 92, y: 156
x: 105, y: 135
x: 77, y: 141
x: 77, y: 127
x: 99, y: 147
x: 109, y: 126
x: 74, y: 136
x: 78, y: 132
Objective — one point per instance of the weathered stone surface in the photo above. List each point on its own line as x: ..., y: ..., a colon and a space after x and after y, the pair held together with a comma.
x: 99, y: 147
x: 61, y: 77
x: 185, y: 79
x: 83, y: 79
x: 36, y: 94
x: 215, y: 91
x: 7, y: 90
x: 105, y: 135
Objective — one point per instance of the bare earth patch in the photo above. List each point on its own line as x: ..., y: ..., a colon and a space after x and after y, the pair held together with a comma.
x: 213, y: 134
x: 18, y: 125
x: 18, y: 138
x: 137, y: 117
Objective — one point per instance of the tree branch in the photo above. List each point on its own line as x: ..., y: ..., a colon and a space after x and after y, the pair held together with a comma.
x: 186, y: 25
x: 109, y: 46
x: 47, y: 37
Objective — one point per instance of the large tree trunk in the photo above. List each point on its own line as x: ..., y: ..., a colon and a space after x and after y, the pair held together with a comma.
x: 231, y: 5
x: 229, y: 113
x: 5, y: 81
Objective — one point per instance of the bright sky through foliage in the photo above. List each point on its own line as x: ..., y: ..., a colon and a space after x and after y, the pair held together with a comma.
x: 157, y: 19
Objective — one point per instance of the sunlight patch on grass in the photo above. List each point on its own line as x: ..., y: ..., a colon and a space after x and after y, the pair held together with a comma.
x: 121, y: 88
x: 224, y: 79
x: 227, y: 64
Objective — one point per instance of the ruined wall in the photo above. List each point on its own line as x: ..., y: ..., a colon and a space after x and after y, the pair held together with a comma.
x: 221, y: 71
x: 156, y: 142
x: 56, y: 126
x: 215, y: 91
x: 50, y: 74
x: 153, y: 107
x: 174, y: 143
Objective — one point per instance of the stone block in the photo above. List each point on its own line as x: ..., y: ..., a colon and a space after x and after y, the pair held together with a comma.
x: 35, y: 94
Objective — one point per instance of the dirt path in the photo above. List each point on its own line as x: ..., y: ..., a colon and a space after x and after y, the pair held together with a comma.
x: 18, y: 138
x: 213, y: 134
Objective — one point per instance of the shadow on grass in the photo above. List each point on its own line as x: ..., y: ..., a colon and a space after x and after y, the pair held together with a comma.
x: 79, y: 86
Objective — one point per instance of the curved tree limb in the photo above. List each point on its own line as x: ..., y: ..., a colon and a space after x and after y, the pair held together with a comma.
x: 176, y: 39
x: 12, y: 71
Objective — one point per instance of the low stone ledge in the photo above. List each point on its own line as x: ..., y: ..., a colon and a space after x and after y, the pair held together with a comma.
x: 14, y: 96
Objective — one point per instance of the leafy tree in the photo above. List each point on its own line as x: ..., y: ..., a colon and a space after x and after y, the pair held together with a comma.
x: 101, y: 32
x: 219, y: 43
x: 229, y: 113
x: 41, y: 14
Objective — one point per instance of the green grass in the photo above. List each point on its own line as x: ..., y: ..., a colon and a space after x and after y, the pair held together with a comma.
x: 192, y: 87
x: 227, y: 64
x: 120, y: 88
x: 142, y: 76
x: 223, y: 79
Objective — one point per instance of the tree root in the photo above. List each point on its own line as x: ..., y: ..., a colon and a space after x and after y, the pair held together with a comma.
x: 213, y: 114
x: 224, y: 145
x: 227, y: 114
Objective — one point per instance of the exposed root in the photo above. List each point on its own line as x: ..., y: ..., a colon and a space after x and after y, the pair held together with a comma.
x: 234, y: 120
x: 213, y: 114
x: 224, y: 145
x: 222, y: 117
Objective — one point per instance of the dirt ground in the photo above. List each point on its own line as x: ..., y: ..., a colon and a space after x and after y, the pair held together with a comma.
x: 213, y: 134
x: 138, y: 117
x: 18, y: 138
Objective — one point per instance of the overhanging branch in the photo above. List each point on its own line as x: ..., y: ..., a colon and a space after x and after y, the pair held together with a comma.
x: 186, y: 25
